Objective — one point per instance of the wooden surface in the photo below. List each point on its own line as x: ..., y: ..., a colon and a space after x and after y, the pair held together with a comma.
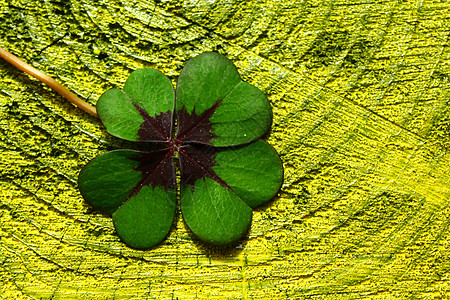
x: 360, y: 95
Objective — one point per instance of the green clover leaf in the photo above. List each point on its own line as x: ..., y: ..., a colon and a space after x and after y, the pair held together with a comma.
x: 225, y: 171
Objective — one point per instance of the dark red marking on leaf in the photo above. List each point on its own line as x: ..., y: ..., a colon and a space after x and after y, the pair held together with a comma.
x: 196, y: 158
x: 154, y: 129
x: 157, y: 169
x: 196, y: 162
x: 193, y: 128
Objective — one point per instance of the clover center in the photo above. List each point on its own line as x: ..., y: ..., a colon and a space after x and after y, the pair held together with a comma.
x: 173, y: 144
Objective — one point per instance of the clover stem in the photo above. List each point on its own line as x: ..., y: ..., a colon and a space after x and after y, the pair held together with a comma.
x: 41, y: 76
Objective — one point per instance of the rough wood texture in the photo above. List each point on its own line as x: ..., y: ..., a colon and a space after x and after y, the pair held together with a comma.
x: 360, y: 93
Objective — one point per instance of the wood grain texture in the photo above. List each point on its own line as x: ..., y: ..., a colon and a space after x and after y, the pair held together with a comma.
x: 360, y: 94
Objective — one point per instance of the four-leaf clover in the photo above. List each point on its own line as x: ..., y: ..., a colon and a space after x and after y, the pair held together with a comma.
x: 225, y: 171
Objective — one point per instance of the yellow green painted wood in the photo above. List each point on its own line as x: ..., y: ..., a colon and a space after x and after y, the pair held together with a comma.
x: 360, y: 94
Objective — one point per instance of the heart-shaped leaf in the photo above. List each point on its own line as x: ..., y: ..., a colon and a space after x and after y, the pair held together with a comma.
x: 254, y: 172
x: 142, y: 111
x: 214, y: 213
x: 137, y: 188
x: 215, y: 107
x: 217, y: 205
x: 145, y: 219
x: 219, y: 186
